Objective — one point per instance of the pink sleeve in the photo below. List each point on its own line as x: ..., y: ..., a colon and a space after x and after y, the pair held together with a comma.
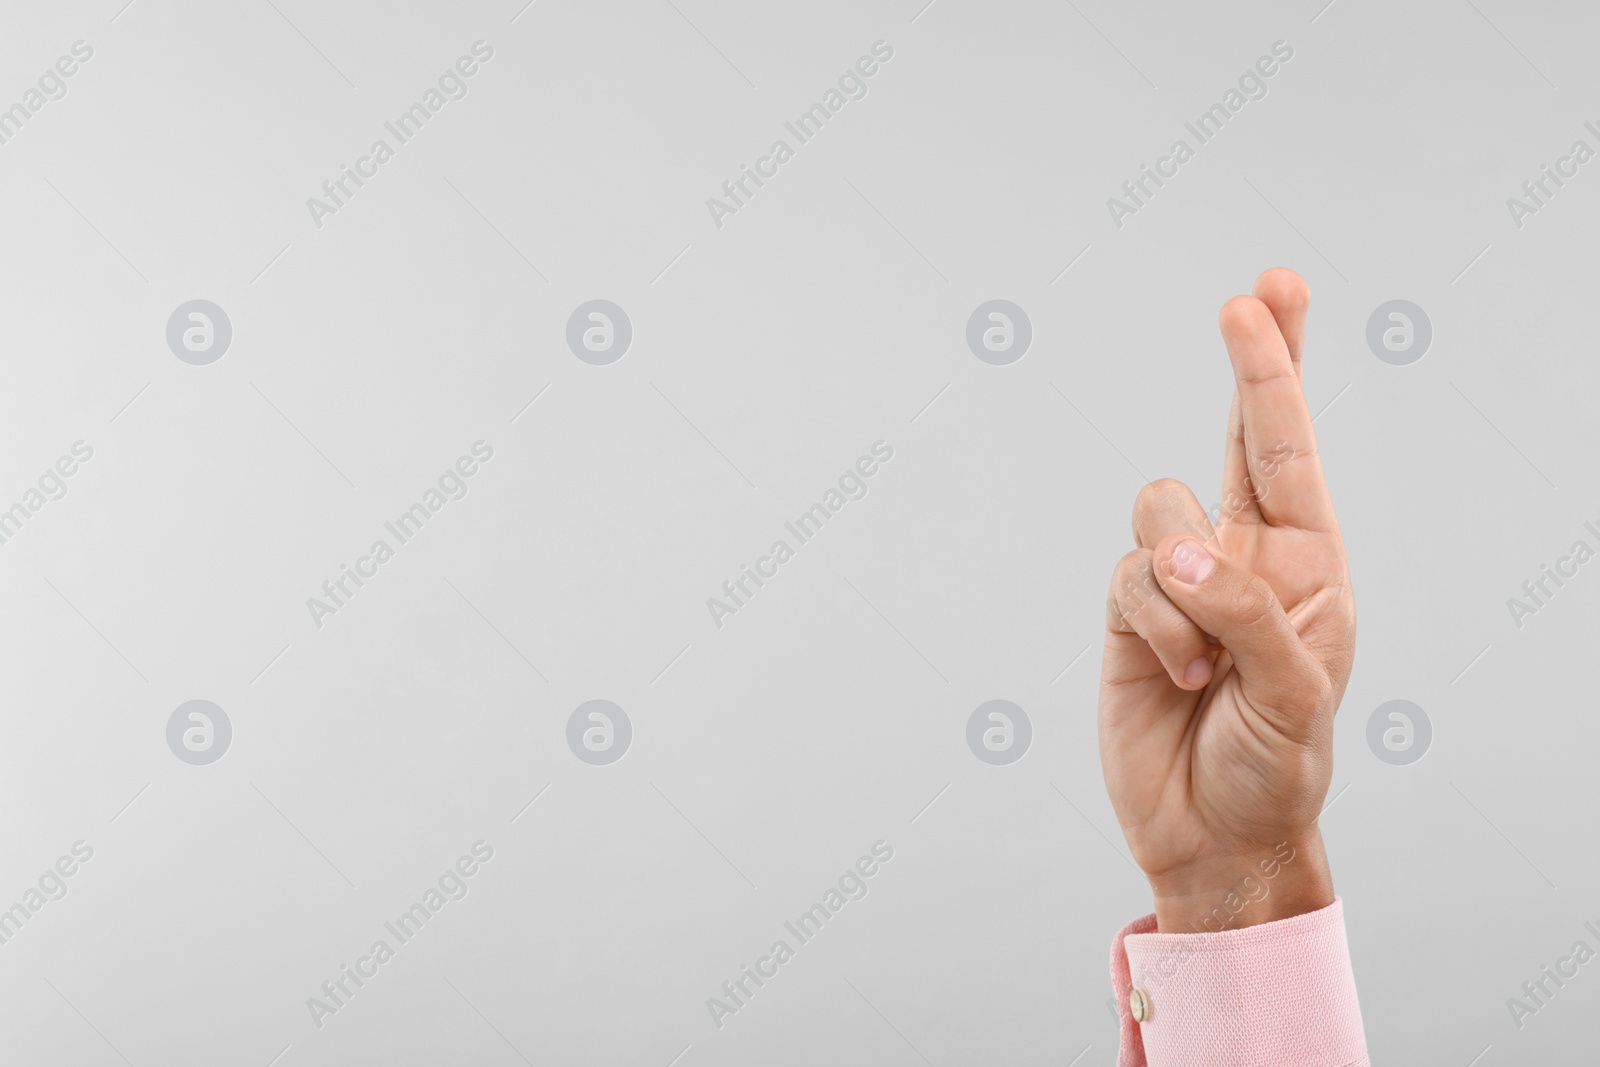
x: 1261, y: 996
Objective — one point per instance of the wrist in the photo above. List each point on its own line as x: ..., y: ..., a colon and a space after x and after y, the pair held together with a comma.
x: 1253, y: 886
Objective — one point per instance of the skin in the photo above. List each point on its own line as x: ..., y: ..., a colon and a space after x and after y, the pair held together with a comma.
x: 1227, y: 652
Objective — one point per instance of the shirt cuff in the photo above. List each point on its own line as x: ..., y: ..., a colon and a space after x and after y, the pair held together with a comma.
x: 1262, y: 996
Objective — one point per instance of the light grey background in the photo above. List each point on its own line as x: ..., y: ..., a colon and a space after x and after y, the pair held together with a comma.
x: 767, y: 355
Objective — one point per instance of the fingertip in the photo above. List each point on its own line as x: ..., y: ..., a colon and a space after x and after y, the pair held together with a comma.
x: 1283, y: 289
x: 1244, y: 318
x: 1197, y: 674
x: 1256, y: 345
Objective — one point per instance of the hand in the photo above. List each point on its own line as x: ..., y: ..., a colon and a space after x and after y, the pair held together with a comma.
x: 1227, y: 652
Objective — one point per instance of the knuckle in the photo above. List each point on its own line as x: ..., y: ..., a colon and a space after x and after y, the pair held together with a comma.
x: 1253, y: 602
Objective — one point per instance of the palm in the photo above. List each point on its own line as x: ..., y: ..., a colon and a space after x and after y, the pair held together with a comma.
x: 1235, y: 761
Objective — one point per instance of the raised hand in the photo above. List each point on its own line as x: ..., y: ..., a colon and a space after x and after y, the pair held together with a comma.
x: 1228, y: 649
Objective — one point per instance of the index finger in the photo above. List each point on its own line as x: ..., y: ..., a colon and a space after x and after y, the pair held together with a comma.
x: 1279, y: 444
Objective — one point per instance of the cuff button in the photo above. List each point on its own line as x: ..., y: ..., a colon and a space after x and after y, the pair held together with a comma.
x: 1139, y: 1005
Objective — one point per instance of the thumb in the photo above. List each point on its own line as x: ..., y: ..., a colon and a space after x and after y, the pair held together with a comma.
x: 1281, y: 677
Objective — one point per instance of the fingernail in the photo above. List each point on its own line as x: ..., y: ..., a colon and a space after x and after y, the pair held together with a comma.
x: 1198, y: 672
x: 1191, y: 563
